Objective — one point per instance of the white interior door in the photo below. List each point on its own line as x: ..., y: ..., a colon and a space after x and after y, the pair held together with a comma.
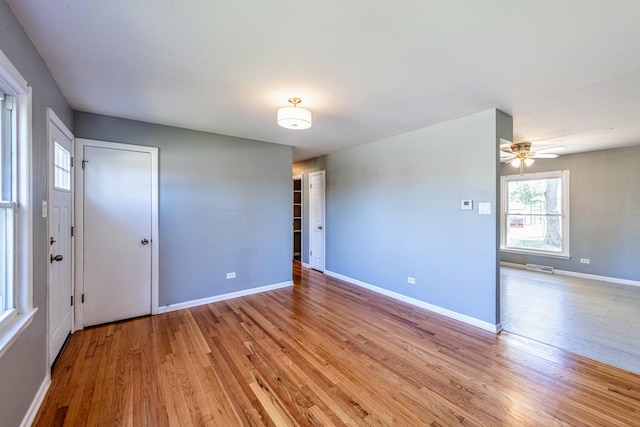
x: 60, y: 241
x: 117, y: 234
x: 316, y: 220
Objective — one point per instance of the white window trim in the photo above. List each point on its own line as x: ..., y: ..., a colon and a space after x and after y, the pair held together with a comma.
x: 566, y: 217
x: 14, y: 322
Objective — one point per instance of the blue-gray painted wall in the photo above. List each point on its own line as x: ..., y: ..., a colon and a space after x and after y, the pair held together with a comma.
x: 23, y: 367
x: 393, y: 211
x: 605, y: 212
x: 225, y: 206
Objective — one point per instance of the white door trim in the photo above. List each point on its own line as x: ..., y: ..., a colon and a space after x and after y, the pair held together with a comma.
x: 54, y: 120
x: 324, y: 220
x: 79, y: 212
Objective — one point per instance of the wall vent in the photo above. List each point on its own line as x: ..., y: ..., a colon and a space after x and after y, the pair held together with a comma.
x: 541, y: 268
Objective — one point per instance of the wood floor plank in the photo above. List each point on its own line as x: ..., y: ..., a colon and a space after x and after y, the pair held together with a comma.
x: 325, y: 353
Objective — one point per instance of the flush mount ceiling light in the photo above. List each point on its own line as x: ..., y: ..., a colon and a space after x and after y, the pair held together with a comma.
x: 294, y: 117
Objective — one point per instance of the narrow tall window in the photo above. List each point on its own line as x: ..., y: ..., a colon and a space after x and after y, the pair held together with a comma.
x: 7, y: 203
x: 62, y: 162
x: 535, y: 213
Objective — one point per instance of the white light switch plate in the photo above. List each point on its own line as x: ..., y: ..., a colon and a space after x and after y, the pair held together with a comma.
x: 45, y: 209
x: 484, y: 208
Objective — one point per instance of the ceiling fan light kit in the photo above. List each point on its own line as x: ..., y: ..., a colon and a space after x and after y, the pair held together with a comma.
x: 295, y: 117
x: 520, y: 154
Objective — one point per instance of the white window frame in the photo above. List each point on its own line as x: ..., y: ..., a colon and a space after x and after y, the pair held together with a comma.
x: 14, y: 321
x: 566, y: 217
x: 66, y: 169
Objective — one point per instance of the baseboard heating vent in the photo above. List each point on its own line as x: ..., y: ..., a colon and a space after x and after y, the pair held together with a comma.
x: 541, y: 268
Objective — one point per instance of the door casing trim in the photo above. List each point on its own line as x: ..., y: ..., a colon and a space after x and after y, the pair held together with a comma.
x: 321, y: 173
x: 54, y: 120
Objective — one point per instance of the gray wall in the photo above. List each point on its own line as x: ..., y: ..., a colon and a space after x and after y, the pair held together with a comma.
x: 393, y: 210
x: 305, y: 168
x: 225, y: 205
x: 605, y: 212
x: 23, y: 367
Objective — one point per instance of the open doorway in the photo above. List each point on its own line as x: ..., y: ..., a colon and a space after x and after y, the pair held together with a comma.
x: 302, y: 171
x: 297, y: 218
x: 585, y: 300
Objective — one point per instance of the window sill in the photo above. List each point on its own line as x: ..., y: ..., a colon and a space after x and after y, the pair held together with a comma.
x: 12, y: 328
x: 535, y: 253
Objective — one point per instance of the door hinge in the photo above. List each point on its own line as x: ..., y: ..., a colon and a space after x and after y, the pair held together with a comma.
x: 82, y: 299
x: 310, y: 253
x: 71, y: 231
x: 72, y: 162
x: 71, y: 300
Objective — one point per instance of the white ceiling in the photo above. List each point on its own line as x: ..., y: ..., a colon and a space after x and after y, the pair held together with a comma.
x: 567, y: 71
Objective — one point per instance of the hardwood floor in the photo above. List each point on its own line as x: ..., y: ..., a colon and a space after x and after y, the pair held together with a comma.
x: 325, y: 353
x: 595, y: 319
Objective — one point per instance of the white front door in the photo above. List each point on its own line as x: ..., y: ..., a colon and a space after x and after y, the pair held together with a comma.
x: 117, y: 234
x: 316, y: 220
x: 60, y: 241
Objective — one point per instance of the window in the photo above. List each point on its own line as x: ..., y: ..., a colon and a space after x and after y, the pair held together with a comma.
x: 535, y: 213
x: 62, y: 161
x: 7, y: 203
x: 16, y: 311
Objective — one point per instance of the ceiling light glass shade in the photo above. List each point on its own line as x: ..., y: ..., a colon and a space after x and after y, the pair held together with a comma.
x: 516, y: 162
x: 294, y: 117
x: 528, y: 161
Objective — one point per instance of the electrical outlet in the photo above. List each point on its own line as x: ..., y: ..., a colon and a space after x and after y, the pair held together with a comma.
x: 411, y: 280
x: 231, y: 275
x: 585, y: 260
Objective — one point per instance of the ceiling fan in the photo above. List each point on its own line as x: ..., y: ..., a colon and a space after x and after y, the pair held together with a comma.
x: 519, y: 154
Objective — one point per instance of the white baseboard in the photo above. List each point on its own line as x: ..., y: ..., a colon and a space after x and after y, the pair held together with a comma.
x: 30, y: 416
x: 581, y: 275
x: 216, y: 298
x: 418, y: 303
x: 595, y: 277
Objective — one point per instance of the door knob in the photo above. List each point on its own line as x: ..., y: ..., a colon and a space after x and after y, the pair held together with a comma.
x: 144, y: 241
x: 56, y: 258
x: 319, y: 227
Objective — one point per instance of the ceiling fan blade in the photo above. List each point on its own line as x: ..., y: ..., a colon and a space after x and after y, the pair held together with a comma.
x: 505, y: 153
x: 506, y: 159
x: 545, y: 156
x: 547, y: 149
